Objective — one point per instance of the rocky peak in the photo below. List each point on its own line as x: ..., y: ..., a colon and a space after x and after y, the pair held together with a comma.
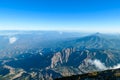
x: 61, y: 57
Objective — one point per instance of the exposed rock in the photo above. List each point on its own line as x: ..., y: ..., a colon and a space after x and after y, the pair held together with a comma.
x: 55, y: 59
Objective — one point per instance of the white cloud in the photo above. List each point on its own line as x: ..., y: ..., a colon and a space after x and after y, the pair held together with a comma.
x: 101, y: 65
x: 115, y: 67
x: 12, y: 40
x: 98, y: 64
x: 41, y: 54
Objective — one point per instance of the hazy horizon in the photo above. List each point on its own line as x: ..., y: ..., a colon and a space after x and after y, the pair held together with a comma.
x: 66, y: 30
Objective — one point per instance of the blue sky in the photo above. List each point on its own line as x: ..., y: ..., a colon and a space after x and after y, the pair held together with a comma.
x: 71, y: 15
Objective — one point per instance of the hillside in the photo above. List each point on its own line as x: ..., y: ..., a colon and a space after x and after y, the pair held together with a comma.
x: 113, y: 74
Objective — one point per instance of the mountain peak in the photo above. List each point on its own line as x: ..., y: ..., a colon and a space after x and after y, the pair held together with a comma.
x: 97, y: 34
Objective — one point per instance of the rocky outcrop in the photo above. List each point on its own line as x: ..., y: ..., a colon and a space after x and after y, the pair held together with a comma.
x: 61, y: 57
x: 55, y: 59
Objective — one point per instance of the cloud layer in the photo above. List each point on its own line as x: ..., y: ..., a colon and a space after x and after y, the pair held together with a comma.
x: 12, y: 40
x: 101, y: 65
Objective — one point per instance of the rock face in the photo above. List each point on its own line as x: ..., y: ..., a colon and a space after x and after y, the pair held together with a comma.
x: 57, y: 58
x: 67, y: 54
x: 60, y: 57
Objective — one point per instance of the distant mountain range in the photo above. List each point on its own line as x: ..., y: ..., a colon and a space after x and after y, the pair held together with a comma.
x: 49, y: 55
